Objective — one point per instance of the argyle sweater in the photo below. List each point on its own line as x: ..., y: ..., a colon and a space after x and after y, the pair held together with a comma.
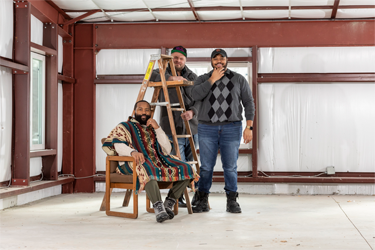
x: 221, y: 102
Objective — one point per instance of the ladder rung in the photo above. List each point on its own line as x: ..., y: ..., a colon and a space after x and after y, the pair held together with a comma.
x: 171, y: 84
x: 177, y: 109
x: 191, y: 162
x: 163, y: 104
x: 183, y: 136
x: 166, y: 57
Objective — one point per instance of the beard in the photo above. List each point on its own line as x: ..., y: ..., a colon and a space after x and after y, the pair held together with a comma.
x: 142, y: 121
x: 225, y: 66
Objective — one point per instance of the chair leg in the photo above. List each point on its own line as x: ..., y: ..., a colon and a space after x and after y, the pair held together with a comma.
x: 148, y: 205
x: 187, y: 200
x: 127, y: 197
x: 102, y: 207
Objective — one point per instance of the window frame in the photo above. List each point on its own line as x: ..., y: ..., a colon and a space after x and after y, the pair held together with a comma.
x: 42, y: 58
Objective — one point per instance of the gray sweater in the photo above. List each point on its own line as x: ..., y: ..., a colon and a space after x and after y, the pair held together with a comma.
x: 203, y: 91
x: 189, y: 102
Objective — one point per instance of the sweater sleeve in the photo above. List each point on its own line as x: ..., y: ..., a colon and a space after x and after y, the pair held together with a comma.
x: 201, y: 88
x: 247, y: 99
x: 123, y: 150
x: 163, y: 140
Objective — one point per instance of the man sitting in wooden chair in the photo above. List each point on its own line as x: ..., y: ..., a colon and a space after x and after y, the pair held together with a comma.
x: 142, y: 138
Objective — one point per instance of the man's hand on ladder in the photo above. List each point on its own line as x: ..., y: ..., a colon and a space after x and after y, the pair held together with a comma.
x: 188, y: 115
x: 176, y: 78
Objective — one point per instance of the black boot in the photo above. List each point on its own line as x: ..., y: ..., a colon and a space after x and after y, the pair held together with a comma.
x: 181, y: 201
x: 195, y: 199
x: 202, y: 205
x: 232, y: 204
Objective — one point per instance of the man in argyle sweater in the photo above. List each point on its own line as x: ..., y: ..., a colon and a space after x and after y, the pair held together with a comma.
x: 221, y: 92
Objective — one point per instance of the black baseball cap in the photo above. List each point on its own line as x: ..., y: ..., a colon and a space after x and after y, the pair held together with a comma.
x: 217, y: 52
x: 180, y: 49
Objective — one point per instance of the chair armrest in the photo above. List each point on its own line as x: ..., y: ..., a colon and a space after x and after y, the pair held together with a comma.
x: 119, y: 158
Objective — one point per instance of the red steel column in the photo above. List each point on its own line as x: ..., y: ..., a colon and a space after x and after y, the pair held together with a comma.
x: 68, y: 98
x: 21, y: 98
x: 84, y: 107
x: 254, y: 155
x: 50, y: 162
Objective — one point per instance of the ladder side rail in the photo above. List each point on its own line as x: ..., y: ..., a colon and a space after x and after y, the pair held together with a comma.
x: 188, y: 129
x: 154, y: 99
x: 162, y: 67
x: 145, y: 81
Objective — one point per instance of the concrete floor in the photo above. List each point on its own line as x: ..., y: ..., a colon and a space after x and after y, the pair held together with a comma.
x: 267, y: 222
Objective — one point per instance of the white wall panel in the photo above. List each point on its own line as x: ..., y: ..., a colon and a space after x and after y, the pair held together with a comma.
x: 36, y: 30
x: 124, y: 61
x: 114, y: 104
x: 35, y: 166
x: 355, y: 13
x: 265, y: 14
x: 317, y: 60
x: 60, y: 54
x: 60, y: 127
x: 219, y: 15
x: 5, y: 123
x: 307, y: 127
x: 6, y: 28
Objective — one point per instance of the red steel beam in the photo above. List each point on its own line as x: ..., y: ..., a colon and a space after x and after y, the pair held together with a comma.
x: 65, y: 79
x: 21, y: 94
x: 231, y: 8
x: 84, y: 108
x: 334, y: 9
x: 50, y: 2
x: 316, y: 77
x: 193, y: 10
x: 301, y: 179
x: 81, y: 17
x: 44, y: 11
x: 264, y: 34
x: 8, y: 63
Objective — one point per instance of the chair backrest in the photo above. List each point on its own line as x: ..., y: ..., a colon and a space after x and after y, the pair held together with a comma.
x: 114, y: 164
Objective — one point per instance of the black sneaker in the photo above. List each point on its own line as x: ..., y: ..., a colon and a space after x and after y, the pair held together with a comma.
x: 232, y: 204
x: 181, y: 201
x: 202, y: 205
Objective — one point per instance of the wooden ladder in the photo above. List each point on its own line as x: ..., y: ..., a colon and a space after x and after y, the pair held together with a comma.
x: 163, y: 61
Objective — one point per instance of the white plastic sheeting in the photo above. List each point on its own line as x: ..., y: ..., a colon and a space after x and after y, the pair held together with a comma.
x: 219, y: 15
x: 5, y: 123
x: 36, y: 166
x: 114, y: 104
x: 355, y: 13
x: 317, y: 60
x: 206, y: 52
x: 265, y: 14
x: 6, y: 28
x: 60, y: 127
x: 307, y: 127
x: 36, y: 30
x: 124, y: 61
x: 60, y: 52
x: 357, y: 2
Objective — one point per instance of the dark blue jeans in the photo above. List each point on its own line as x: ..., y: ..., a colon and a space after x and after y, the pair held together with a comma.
x: 184, y: 146
x: 227, y: 138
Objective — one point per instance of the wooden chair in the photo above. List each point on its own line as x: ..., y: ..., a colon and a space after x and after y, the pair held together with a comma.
x: 114, y: 180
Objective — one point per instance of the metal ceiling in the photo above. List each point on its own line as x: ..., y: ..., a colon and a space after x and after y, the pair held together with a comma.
x: 214, y: 10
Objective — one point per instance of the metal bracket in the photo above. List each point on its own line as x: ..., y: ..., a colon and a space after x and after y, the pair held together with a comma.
x: 20, y: 182
x: 19, y: 72
x: 22, y: 4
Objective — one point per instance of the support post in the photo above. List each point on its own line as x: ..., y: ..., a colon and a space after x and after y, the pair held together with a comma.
x: 21, y: 98
x: 254, y: 155
x: 68, y: 97
x: 50, y: 38
x: 84, y: 108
